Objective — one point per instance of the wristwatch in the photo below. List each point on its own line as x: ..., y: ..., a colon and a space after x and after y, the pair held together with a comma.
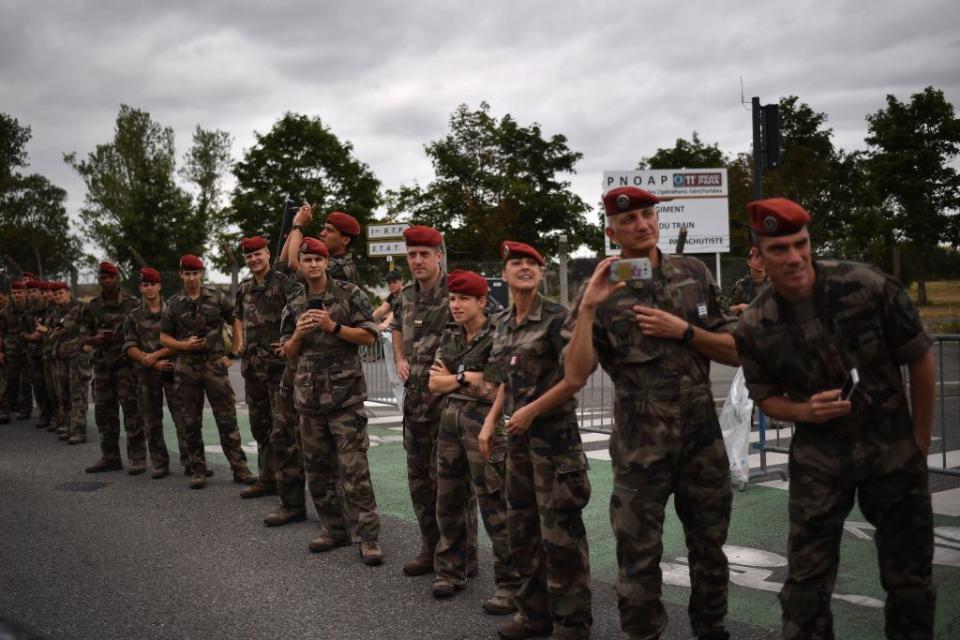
x: 687, y: 334
x: 233, y: 356
x: 462, y: 379
x: 336, y: 328
x: 298, y: 227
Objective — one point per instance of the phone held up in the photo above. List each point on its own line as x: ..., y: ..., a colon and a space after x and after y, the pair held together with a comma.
x: 631, y: 269
x: 316, y: 303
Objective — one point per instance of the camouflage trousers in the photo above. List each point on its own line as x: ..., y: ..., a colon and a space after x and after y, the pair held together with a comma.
x: 196, y: 377
x: 39, y: 384
x: 669, y: 443
x: 335, y: 461
x: 73, y: 384
x: 286, y: 450
x: 152, y: 386
x: 261, y: 385
x: 547, y: 489
x: 889, y: 478
x: 420, y: 443
x: 115, y: 386
x: 53, y: 396
x: 461, y: 466
x: 16, y: 391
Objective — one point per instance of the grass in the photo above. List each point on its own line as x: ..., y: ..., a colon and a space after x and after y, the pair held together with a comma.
x: 942, y: 311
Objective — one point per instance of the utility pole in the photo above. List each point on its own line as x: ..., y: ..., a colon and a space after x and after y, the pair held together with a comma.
x: 766, y: 141
x: 564, y: 249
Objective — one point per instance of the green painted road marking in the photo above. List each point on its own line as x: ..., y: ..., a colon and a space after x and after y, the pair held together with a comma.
x: 759, y: 524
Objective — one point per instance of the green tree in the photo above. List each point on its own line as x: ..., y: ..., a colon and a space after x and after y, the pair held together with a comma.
x: 496, y: 179
x: 301, y: 157
x: 912, y: 146
x: 686, y: 154
x: 13, y: 145
x: 35, y: 231
x: 204, y: 167
x: 134, y: 206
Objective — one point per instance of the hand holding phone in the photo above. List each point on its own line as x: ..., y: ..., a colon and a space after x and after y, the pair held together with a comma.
x: 846, y: 392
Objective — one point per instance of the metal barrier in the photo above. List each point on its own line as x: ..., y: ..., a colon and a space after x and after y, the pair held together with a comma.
x: 595, y: 404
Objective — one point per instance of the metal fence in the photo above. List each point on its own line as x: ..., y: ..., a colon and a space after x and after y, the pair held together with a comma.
x: 595, y: 404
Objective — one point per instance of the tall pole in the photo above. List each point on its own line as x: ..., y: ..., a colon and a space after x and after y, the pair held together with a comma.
x: 564, y: 248
x: 757, y: 149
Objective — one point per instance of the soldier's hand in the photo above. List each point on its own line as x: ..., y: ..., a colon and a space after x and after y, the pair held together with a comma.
x: 825, y: 406
x: 737, y: 309
x: 403, y: 370
x: 227, y: 362
x: 657, y: 323
x: 485, y: 439
x: 163, y: 365
x: 304, y: 214
x: 439, y: 369
x: 278, y: 349
x: 324, y: 321
x: 307, y: 322
x: 520, y: 420
x: 149, y: 360
x: 599, y: 287
x: 193, y: 343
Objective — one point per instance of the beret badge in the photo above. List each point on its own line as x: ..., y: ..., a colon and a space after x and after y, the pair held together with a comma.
x: 623, y: 202
x: 770, y: 224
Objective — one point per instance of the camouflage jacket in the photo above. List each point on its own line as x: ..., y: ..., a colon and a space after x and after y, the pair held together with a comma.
x: 342, y: 267
x: 51, y: 317
x: 682, y: 286
x: 12, y: 323
x: 526, y: 356
x: 421, y: 317
x: 329, y: 374
x: 745, y: 290
x: 70, y: 342
x: 457, y: 355
x: 205, y: 316
x: 857, y: 317
x: 38, y: 312
x: 141, y: 329
x: 109, y: 315
x: 260, y: 307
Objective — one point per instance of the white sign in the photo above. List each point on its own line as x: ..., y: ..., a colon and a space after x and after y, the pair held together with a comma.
x: 697, y: 201
x: 380, y: 231
x: 379, y: 249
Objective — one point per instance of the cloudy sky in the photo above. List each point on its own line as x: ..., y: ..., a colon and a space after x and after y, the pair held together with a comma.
x: 618, y: 79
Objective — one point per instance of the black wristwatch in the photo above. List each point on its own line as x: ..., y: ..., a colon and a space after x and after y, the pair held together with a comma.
x: 298, y: 227
x: 462, y: 379
x: 687, y: 334
x: 233, y: 356
x: 336, y: 328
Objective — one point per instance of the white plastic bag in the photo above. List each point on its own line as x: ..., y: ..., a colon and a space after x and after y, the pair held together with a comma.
x: 735, y: 425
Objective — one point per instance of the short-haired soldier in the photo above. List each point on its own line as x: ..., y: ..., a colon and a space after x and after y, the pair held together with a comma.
x: 798, y: 342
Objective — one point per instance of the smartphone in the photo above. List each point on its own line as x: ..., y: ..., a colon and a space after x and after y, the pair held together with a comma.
x: 632, y: 269
x: 316, y: 303
x: 850, y: 385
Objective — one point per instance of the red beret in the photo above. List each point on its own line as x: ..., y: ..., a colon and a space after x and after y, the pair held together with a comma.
x: 149, y: 274
x: 191, y: 262
x: 314, y: 246
x: 249, y: 245
x: 29, y: 275
x: 510, y: 250
x: 344, y: 223
x: 59, y: 285
x: 46, y: 285
x: 623, y: 199
x: 467, y: 283
x: 31, y: 283
x: 18, y: 285
x: 109, y: 269
x: 774, y: 217
x: 419, y: 236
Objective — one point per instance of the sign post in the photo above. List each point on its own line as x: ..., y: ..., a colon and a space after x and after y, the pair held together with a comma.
x: 386, y: 241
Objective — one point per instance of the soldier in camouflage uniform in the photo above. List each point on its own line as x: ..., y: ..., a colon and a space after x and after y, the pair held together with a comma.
x: 114, y: 378
x: 457, y: 373
x: 546, y: 476
x: 45, y: 323
x: 38, y: 306
x: 13, y: 355
x: 74, y: 366
x: 260, y: 303
x: 421, y: 315
x: 338, y: 233
x: 797, y: 343
x: 329, y: 391
x: 192, y: 325
x: 155, y: 377
x: 656, y: 338
x: 749, y: 286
